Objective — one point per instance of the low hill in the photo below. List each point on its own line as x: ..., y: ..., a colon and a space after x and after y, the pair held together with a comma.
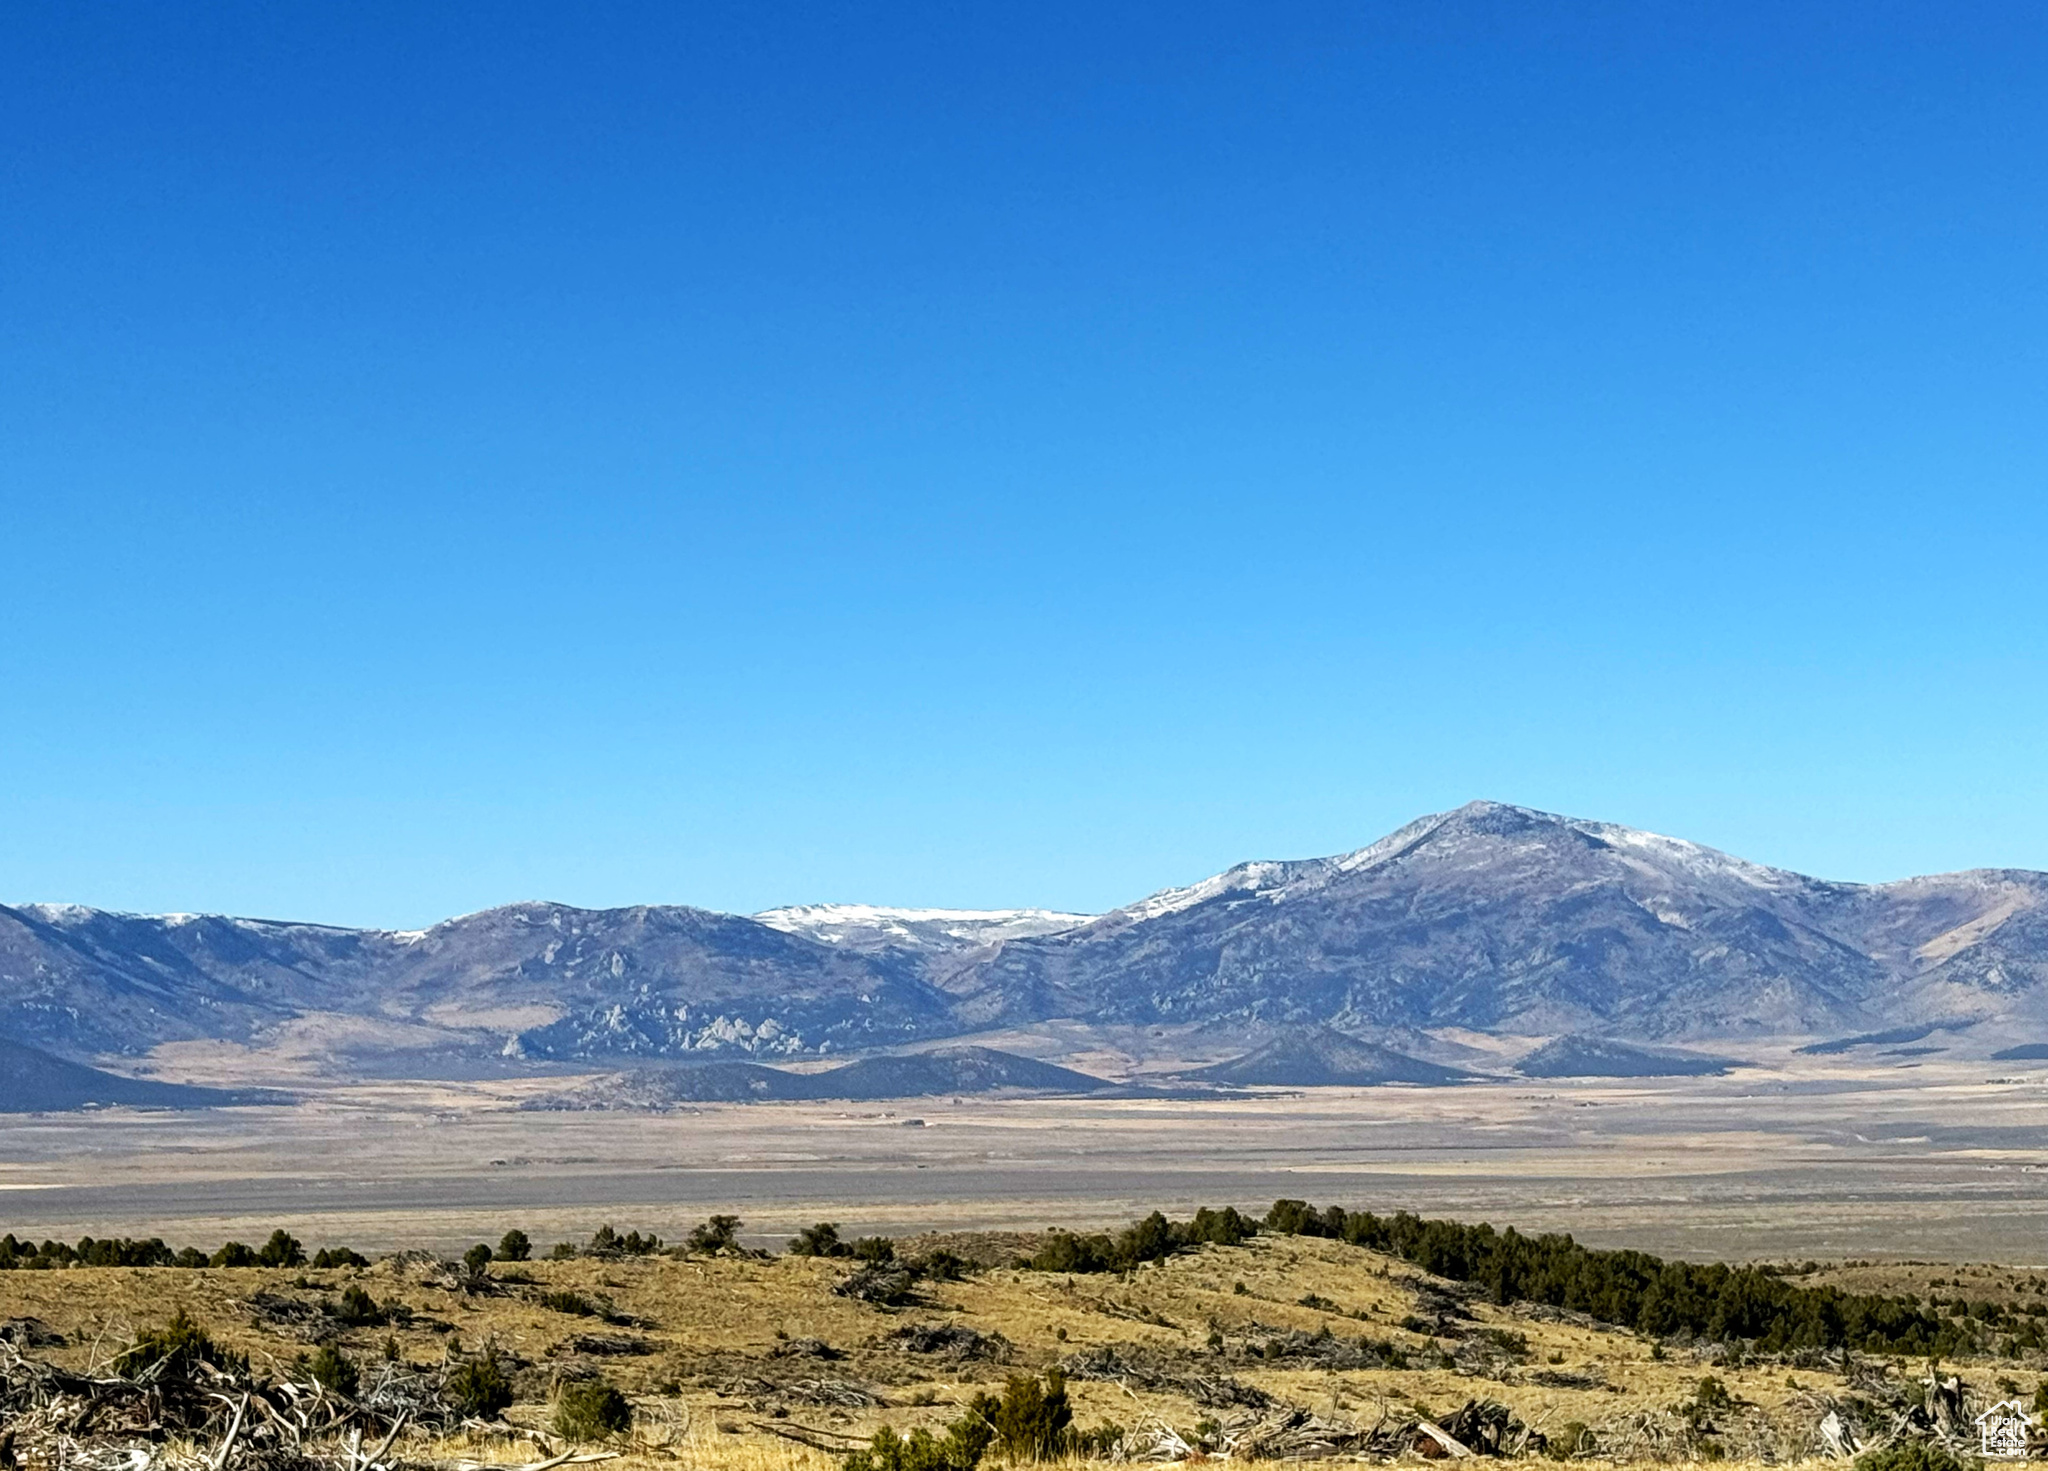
x: 948, y: 1070
x: 1891, y: 1036
x: 663, y: 1087
x: 32, y: 1081
x: 1315, y: 1057
x: 1602, y: 1057
x: 913, y: 1075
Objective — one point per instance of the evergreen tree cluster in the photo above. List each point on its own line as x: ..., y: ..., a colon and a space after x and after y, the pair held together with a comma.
x: 607, y: 1244
x: 1030, y: 1421
x: 1636, y: 1290
x: 281, y: 1250
x: 824, y: 1240
x: 1149, y: 1240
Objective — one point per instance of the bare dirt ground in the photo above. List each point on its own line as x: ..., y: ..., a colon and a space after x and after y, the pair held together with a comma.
x: 1824, y: 1158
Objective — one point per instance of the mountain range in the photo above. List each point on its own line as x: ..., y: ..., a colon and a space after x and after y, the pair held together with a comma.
x: 1491, y: 918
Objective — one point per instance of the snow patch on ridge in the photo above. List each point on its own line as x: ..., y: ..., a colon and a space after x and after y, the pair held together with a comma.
x: 59, y: 914
x: 871, y: 925
x: 1691, y: 858
x: 1252, y: 877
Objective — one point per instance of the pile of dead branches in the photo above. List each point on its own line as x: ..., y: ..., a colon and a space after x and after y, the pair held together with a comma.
x: 1289, y: 1433
x: 879, y: 1283
x: 1152, y: 1440
x: 1886, y: 1412
x: 844, y: 1394
x: 1647, y: 1435
x: 306, y: 1320
x: 1284, y: 1432
x: 604, y: 1345
x: 953, y: 1340
x: 188, y: 1405
x: 1321, y: 1350
x: 217, y: 1413
x: 1489, y: 1428
x: 430, y: 1270
x: 400, y: 1394
x: 1137, y: 1367
x: 1441, y: 1304
x: 30, y: 1333
x: 1591, y: 1377
x: 804, y: 1348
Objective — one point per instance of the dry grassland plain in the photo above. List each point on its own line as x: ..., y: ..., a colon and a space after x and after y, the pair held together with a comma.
x: 1792, y: 1158
x: 1893, y: 1173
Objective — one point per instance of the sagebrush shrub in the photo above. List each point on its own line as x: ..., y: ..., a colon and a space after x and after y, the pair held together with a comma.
x: 720, y: 1233
x: 591, y: 1409
x: 819, y: 1240
x: 334, y: 1371
x: 180, y: 1345
x: 481, y: 1387
x: 357, y: 1308
x: 1031, y: 1419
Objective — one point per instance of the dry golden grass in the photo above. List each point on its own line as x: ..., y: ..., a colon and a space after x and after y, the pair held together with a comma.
x: 714, y: 1322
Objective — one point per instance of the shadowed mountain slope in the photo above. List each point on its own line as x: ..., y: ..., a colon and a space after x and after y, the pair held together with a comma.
x: 85, y: 981
x: 35, y: 1082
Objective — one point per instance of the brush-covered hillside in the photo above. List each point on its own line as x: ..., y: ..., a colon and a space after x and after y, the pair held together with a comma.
x: 1155, y: 1341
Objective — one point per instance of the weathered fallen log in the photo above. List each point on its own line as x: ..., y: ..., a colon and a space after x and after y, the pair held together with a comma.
x: 845, y: 1394
x: 567, y: 1458
x: 1446, y: 1444
x: 816, y: 1439
x: 1153, y: 1440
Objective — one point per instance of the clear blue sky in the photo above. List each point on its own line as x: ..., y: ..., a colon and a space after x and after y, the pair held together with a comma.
x: 976, y: 455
